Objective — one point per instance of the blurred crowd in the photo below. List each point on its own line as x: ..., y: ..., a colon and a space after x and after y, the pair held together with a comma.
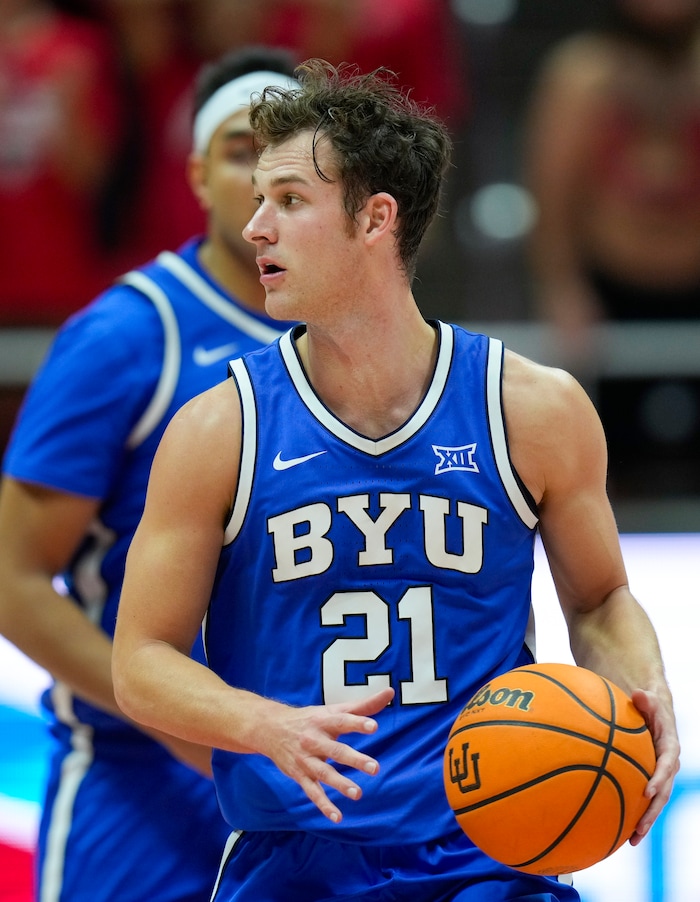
x: 95, y: 123
x: 613, y: 161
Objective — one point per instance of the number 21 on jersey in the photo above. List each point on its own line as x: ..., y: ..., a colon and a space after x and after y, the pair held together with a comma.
x: 416, y: 607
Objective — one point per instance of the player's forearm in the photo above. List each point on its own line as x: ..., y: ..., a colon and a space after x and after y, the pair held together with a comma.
x: 55, y: 633
x: 618, y: 641
x: 165, y: 690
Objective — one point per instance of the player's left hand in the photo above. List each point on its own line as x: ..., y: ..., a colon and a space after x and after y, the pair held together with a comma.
x: 658, y: 713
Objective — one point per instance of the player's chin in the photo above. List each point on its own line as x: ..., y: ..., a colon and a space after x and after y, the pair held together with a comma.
x: 279, y: 306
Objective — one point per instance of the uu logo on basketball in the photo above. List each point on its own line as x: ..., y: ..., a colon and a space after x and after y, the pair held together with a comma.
x: 464, y: 771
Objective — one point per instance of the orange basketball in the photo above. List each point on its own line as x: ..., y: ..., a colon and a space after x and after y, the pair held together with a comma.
x: 545, y: 768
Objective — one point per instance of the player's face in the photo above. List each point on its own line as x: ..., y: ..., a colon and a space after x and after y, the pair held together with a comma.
x: 222, y: 181
x: 308, y: 250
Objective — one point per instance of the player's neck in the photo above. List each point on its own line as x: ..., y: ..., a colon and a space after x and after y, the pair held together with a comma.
x: 375, y: 378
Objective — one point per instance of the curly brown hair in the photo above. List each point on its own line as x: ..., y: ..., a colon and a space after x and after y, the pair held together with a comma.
x: 382, y: 141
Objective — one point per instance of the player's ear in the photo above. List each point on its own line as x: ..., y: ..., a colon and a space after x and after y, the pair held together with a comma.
x: 381, y: 211
x: 197, y: 176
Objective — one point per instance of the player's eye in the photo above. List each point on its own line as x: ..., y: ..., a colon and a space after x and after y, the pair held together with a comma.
x: 243, y: 157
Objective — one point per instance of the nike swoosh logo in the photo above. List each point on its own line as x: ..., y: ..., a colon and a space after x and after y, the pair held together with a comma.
x: 206, y: 356
x: 280, y: 464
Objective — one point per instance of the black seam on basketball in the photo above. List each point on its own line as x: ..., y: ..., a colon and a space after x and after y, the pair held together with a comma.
x: 593, y: 779
x: 528, y: 784
x: 574, y: 820
x: 599, y: 770
x: 525, y: 724
x: 565, y: 689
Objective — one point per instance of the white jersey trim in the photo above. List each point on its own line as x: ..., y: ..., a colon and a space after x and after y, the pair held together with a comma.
x: 249, y: 442
x: 497, y: 428
x: 228, y: 848
x: 74, y: 768
x: 172, y: 357
x: 216, y: 301
x: 348, y: 435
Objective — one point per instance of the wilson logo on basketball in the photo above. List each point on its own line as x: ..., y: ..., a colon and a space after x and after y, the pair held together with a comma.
x: 511, y: 698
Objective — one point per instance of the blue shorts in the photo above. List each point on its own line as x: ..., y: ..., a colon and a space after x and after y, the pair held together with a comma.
x: 124, y: 821
x: 298, y: 867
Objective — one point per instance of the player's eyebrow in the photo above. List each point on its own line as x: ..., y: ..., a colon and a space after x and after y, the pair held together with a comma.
x: 290, y: 179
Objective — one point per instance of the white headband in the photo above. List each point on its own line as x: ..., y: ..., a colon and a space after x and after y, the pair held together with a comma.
x: 230, y: 98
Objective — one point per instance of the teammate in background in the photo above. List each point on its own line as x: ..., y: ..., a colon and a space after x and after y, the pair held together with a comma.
x: 130, y: 814
x: 354, y: 511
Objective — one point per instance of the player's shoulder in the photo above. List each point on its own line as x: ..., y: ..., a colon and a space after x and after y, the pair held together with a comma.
x: 202, y: 440
x: 119, y: 311
x: 539, y: 389
x: 116, y: 335
x: 551, y: 422
x: 210, y: 414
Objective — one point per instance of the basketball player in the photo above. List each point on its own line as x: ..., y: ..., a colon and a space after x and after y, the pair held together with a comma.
x: 355, y: 511
x: 127, y: 818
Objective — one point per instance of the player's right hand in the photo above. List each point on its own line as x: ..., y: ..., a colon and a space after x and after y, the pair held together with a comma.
x: 303, y: 741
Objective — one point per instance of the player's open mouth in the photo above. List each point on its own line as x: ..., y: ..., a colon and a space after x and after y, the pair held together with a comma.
x: 269, y: 272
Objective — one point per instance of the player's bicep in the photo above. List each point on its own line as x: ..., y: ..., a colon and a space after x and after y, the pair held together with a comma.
x: 577, y: 524
x: 558, y: 448
x: 173, y: 557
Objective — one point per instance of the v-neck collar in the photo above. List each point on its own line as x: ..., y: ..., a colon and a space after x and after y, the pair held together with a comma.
x: 345, y: 433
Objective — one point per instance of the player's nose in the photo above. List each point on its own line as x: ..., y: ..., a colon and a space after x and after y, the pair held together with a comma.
x: 260, y: 227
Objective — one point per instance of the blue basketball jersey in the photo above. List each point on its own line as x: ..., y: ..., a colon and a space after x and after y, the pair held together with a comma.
x: 98, y: 406
x: 351, y: 564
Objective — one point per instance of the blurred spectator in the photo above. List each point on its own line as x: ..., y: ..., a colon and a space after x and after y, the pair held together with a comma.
x: 613, y: 159
x: 417, y: 39
x: 149, y: 205
x: 58, y: 118
x: 219, y: 26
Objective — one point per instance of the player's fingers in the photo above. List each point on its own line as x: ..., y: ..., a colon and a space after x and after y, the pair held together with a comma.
x: 321, y: 773
x: 373, y: 704
x: 661, y: 783
x: 350, y: 757
x: 662, y: 728
x: 317, y: 795
x: 645, y: 822
x: 333, y: 724
x: 340, y: 752
x: 658, y: 790
x: 353, y: 717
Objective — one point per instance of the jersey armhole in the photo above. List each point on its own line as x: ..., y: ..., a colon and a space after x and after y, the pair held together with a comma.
x: 172, y: 355
x: 249, y: 442
x: 494, y: 400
